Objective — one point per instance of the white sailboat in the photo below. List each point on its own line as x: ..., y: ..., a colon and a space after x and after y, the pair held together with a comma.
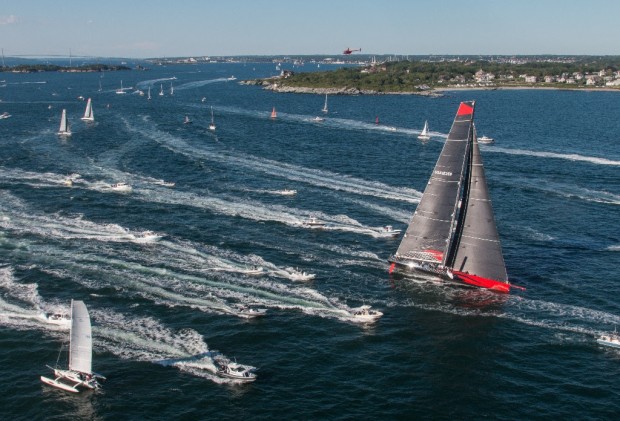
x: 149, y: 94
x: 121, y: 90
x: 325, y: 106
x: 65, y: 128
x: 79, y: 374
x: 424, y: 135
x: 171, y: 89
x: 88, y: 112
x: 161, y: 90
x: 212, y: 124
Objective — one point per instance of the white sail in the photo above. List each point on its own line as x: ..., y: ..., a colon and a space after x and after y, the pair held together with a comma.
x: 424, y: 135
x: 149, y: 95
x: 81, y: 345
x: 64, y: 128
x: 88, y: 112
x: 325, y: 106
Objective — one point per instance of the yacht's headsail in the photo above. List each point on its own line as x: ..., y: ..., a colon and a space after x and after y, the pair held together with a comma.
x: 478, y: 249
x: 81, y: 346
x: 452, y: 231
x: 325, y: 106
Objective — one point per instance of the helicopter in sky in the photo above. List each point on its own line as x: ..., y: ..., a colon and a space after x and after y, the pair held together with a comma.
x: 349, y: 51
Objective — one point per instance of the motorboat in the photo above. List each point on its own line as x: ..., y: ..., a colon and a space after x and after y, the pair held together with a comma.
x: 231, y: 78
x: 249, y: 312
x: 486, y: 140
x: 318, y: 119
x: 365, y: 314
x: 389, y: 231
x: 254, y: 270
x: 121, y: 187
x: 610, y: 339
x: 314, y: 223
x: 233, y: 370
x: 302, y: 276
x: 165, y: 183
x: 148, y: 237
x: 4, y: 115
x: 60, y: 319
x: 287, y: 192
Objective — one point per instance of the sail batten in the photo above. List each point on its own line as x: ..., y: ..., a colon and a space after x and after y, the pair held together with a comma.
x: 453, y: 232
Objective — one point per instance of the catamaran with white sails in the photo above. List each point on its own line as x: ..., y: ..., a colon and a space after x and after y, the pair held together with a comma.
x: 79, y: 374
x: 452, y: 232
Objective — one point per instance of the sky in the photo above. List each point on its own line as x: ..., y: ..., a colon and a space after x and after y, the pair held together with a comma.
x: 156, y: 28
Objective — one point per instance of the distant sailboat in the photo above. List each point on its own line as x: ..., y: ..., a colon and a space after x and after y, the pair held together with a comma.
x: 161, y: 90
x: 187, y: 120
x: 377, y: 120
x: 325, y: 106
x: 65, y: 128
x: 171, y: 89
x: 88, y: 113
x: 452, y: 232
x: 100, y: 89
x: 149, y: 94
x: 212, y: 124
x: 121, y: 90
x: 424, y: 135
x: 273, y: 113
x: 79, y: 373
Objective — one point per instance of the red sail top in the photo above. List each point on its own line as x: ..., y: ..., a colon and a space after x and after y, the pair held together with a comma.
x: 465, y: 109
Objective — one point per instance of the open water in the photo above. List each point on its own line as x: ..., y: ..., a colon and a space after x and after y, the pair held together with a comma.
x: 157, y: 309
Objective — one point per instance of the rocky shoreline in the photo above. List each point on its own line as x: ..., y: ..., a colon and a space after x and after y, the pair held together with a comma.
x: 272, y: 85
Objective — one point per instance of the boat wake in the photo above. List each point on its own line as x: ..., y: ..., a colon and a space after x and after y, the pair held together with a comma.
x: 555, y: 155
x: 199, y: 83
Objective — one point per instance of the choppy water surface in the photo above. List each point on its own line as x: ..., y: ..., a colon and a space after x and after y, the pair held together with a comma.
x: 160, y: 309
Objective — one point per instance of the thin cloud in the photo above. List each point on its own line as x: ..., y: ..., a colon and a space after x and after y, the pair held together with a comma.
x: 8, y: 20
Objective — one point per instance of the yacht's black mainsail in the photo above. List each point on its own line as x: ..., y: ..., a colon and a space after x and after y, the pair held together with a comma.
x: 453, y: 232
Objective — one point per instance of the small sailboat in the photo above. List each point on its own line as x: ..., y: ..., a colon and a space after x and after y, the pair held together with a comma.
x: 161, y: 90
x: 453, y: 232
x: 171, y: 89
x: 65, y: 128
x: 377, y: 120
x: 88, y: 112
x: 121, y: 90
x: 186, y: 120
x: 212, y: 124
x: 148, y: 95
x: 100, y: 89
x: 273, y: 113
x: 325, y: 106
x: 424, y: 135
x: 79, y: 374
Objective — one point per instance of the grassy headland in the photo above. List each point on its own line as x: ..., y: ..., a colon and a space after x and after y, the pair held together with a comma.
x: 424, y: 77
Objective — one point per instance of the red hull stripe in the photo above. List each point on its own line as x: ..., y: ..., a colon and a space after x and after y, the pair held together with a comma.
x: 464, y: 109
x: 481, y: 282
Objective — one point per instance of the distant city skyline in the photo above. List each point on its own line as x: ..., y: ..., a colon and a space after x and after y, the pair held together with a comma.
x: 267, y: 27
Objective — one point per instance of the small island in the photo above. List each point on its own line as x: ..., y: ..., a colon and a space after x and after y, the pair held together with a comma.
x: 35, y: 68
x: 430, y: 77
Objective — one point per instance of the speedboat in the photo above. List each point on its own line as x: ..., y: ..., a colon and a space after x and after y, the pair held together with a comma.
x: 298, y: 275
x: 485, y: 139
x: 4, y: 115
x: 315, y: 223
x: 59, y: 319
x: 231, y: 78
x: 249, y: 312
x: 148, y: 237
x: 611, y: 339
x: 388, y: 231
x: 233, y: 370
x: 165, y: 183
x: 365, y: 314
x: 121, y: 187
x: 254, y: 270
x: 287, y: 192
x: 319, y: 119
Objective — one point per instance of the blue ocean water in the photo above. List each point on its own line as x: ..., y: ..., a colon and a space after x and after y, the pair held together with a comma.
x: 158, y: 308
